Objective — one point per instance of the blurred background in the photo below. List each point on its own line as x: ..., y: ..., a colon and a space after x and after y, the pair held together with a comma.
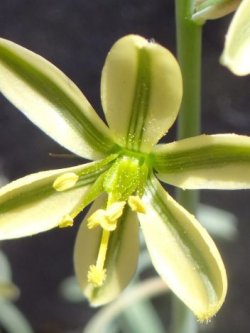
x: 76, y: 35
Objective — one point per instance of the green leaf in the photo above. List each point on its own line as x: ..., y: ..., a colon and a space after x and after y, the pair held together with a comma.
x: 12, y: 319
x: 141, y: 317
x: 31, y: 205
x: 219, y: 161
x: 183, y: 253
x: 121, y: 259
x: 5, y: 271
x: 236, y: 53
x: 141, y: 90
x: 52, y: 101
x: 218, y: 222
x: 70, y: 290
x: 8, y: 291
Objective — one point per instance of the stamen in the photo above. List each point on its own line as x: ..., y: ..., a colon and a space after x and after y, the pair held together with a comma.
x: 65, y: 181
x: 115, y: 210
x: 67, y: 221
x: 136, y: 204
x: 97, y: 218
x: 108, y: 218
x: 97, y: 273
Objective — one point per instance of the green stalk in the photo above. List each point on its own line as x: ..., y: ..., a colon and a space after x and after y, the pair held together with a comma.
x: 189, y: 57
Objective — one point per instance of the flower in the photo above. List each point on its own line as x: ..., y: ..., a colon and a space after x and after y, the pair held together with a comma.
x: 141, y: 91
x: 236, y: 53
x: 213, y: 9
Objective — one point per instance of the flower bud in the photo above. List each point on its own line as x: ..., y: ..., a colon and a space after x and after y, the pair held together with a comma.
x: 213, y: 9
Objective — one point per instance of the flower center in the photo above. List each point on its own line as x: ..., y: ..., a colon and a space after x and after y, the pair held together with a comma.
x: 124, y: 184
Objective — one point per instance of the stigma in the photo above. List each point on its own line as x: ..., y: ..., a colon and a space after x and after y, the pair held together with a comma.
x: 96, y: 275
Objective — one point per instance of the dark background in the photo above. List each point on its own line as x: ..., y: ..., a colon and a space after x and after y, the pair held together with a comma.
x: 76, y: 35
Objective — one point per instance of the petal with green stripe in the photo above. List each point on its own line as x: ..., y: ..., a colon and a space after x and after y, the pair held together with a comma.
x: 52, y: 101
x: 236, y: 53
x: 141, y: 90
x: 219, y: 161
x: 121, y: 259
x: 31, y: 205
x: 183, y: 253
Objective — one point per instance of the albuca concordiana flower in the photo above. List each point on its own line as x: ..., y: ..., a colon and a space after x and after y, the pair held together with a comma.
x: 141, y: 91
x: 236, y: 53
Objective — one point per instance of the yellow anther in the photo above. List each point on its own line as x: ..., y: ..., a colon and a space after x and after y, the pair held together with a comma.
x: 95, y: 219
x: 96, y: 275
x: 136, y: 204
x: 115, y: 210
x: 108, y: 218
x: 67, y: 221
x: 65, y: 181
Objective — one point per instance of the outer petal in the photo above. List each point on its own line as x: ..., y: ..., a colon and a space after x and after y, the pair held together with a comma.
x: 219, y: 161
x: 183, y: 253
x: 236, y: 54
x: 51, y: 101
x: 207, y: 10
x: 31, y: 205
x: 121, y: 260
x: 141, y: 91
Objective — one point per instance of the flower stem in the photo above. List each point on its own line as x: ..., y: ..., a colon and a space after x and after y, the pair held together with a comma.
x: 189, y: 39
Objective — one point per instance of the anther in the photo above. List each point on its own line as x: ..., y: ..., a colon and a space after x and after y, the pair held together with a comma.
x: 107, y: 218
x: 136, y: 204
x: 65, y: 181
x: 67, y: 221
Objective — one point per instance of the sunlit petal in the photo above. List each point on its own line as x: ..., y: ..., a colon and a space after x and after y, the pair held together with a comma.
x: 183, y: 253
x: 141, y: 91
x: 121, y: 260
x: 219, y: 161
x: 52, y: 101
x: 236, y: 54
x: 31, y: 205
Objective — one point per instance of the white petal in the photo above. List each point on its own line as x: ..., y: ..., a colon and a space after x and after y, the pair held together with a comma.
x: 219, y: 161
x: 141, y: 91
x: 52, y: 101
x: 183, y: 253
x: 236, y: 53
x: 121, y: 260
x: 31, y: 205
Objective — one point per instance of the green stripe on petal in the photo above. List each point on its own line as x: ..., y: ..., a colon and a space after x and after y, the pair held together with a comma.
x: 141, y: 90
x: 52, y: 101
x: 219, y: 161
x: 236, y: 52
x: 183, y: 253
x: 31, y: 205
x: 121, y: 259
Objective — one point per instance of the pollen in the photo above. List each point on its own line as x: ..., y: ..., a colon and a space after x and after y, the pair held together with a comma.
x: 65, y: 181
x: 67, y: 221
x: 136, y: 204
x: 96, y: 275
